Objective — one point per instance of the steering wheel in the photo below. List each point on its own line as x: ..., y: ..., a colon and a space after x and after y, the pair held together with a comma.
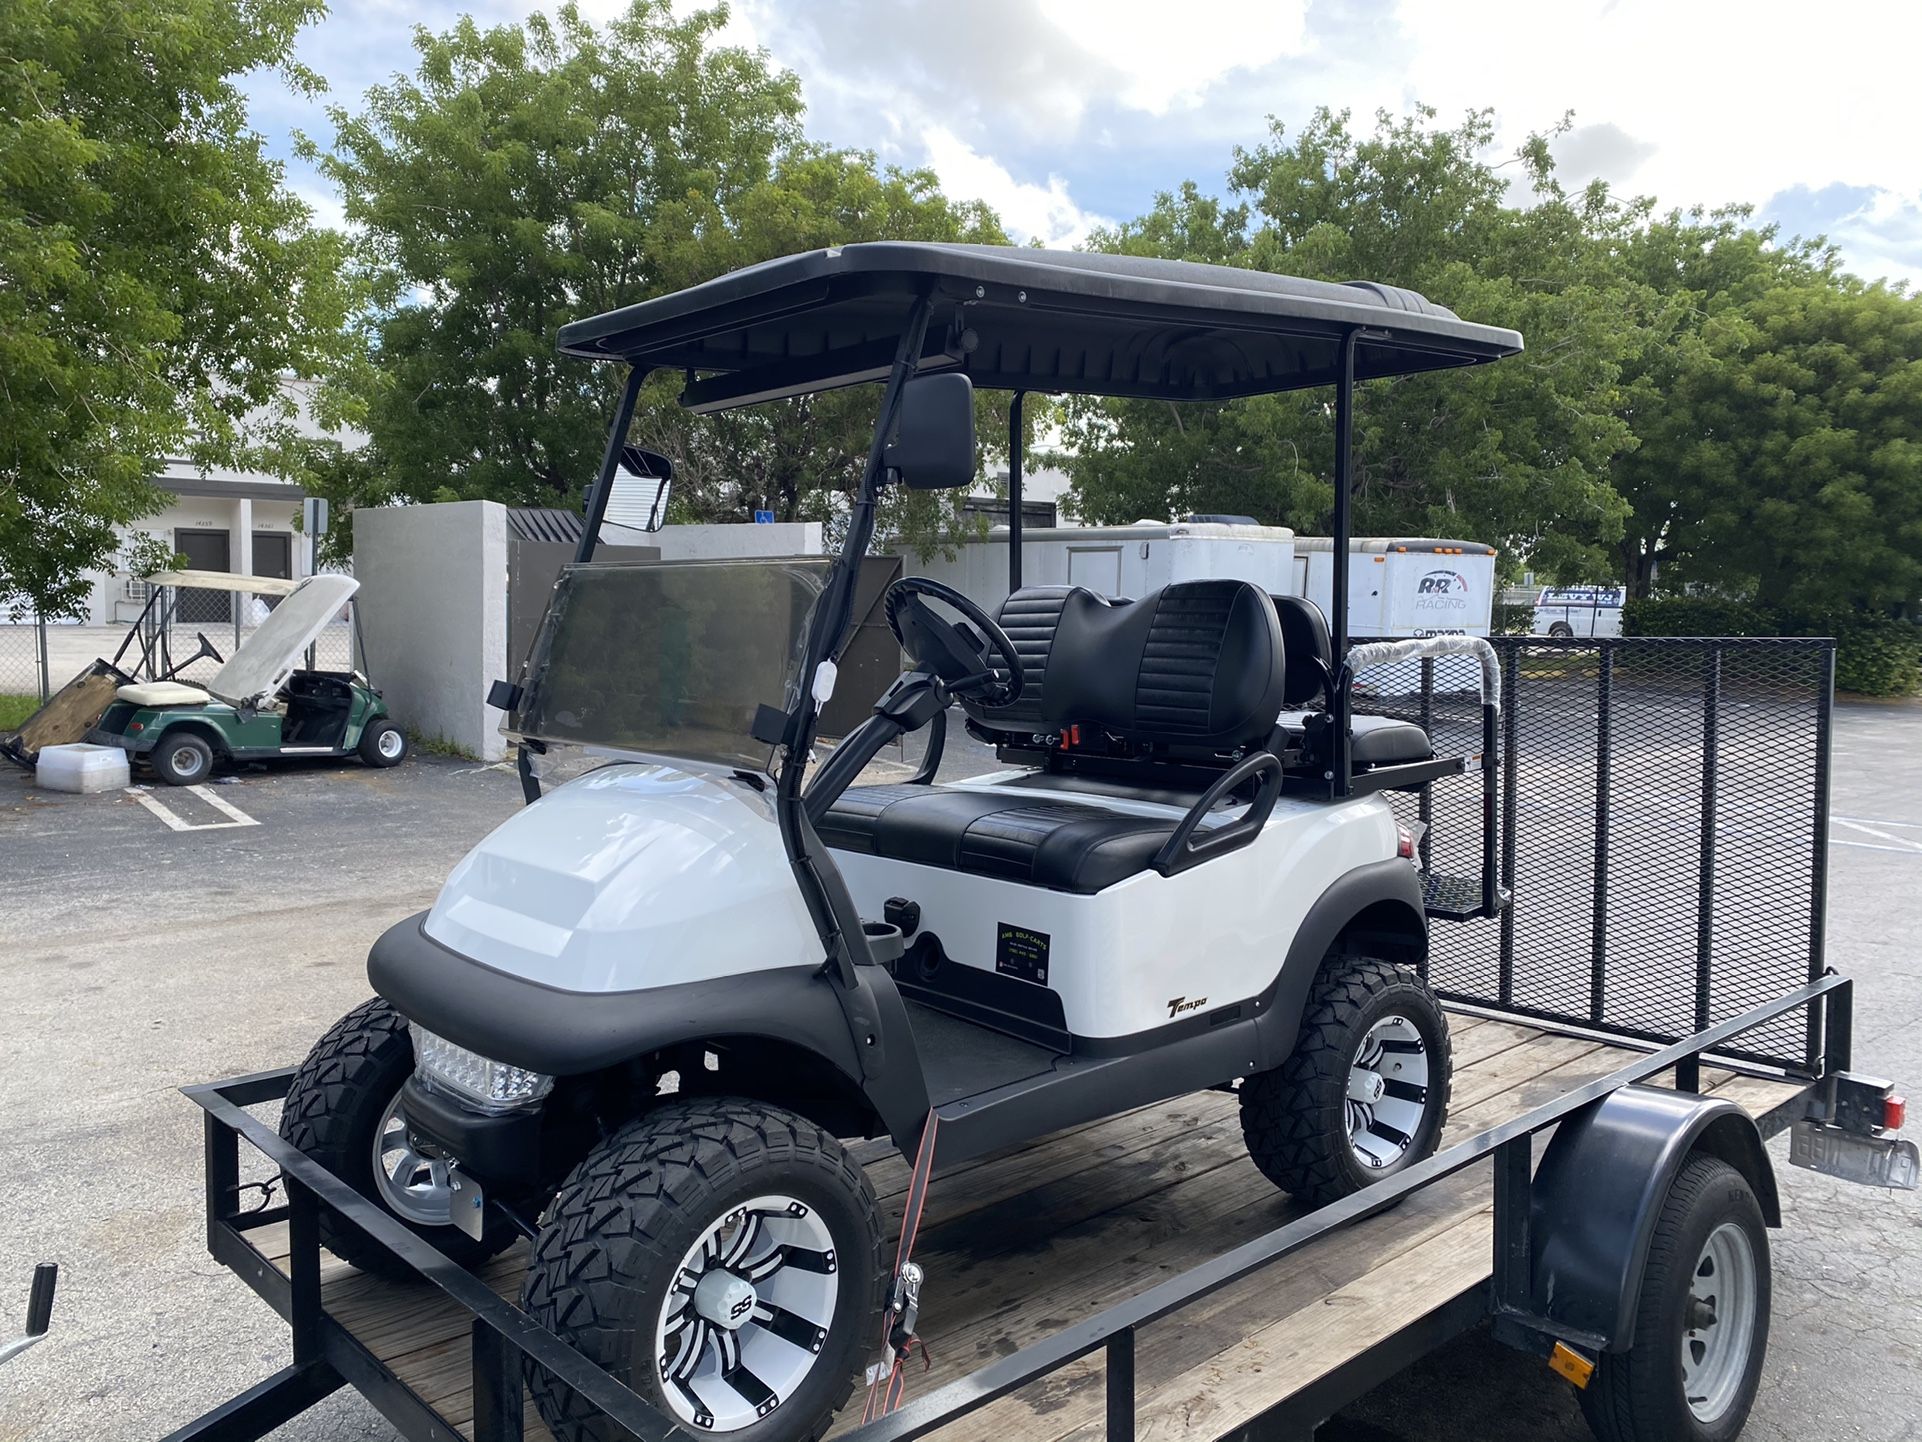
x: 955, y: 651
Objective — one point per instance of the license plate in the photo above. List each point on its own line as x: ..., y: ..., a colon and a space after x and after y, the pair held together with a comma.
x: 1872, y: 1161
x: 469, y: 1206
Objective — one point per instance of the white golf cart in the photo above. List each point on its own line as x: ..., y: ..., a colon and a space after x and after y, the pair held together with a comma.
x: 644, y: 1010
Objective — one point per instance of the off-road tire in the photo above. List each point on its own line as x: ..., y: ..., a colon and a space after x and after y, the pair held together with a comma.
x: 1637, y: 1395
x: 1293, y: 1117
x: 370, y: 743
x: 183, y: 741
x: 613, y: 1239
x: 339, y: 1096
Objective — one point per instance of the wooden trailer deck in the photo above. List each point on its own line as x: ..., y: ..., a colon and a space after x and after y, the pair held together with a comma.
x: 1024, y: 1244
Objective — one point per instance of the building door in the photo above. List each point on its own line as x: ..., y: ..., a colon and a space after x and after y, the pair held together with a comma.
x: 205, y: 550
x: 273, y: 556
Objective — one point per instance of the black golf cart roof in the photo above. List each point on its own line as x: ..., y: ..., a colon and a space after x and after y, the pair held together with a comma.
x: 1049, y: 321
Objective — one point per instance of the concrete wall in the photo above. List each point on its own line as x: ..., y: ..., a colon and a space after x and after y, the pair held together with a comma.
x: 433, y: 615
x: 786, y: 538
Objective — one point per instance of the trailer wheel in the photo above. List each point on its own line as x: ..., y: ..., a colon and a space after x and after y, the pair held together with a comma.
x: 722, y: 1258
x: 343, y: 1111
x: 1702, y: 1328
x: 181, y: 758
x: 1365, y: 1093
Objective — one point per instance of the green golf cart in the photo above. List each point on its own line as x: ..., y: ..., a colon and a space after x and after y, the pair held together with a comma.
x: 259, y: 705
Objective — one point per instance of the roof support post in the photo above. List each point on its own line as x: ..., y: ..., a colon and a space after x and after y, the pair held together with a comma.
x: 610, y: 459
x: 1340, y: 704
x: 1017, y: 435
x: 822, y: 889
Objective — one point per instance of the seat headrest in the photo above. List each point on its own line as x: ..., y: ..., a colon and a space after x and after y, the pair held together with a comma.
x: 1306, y: 644
x: 1029, y: 616
x: 1197, y: 663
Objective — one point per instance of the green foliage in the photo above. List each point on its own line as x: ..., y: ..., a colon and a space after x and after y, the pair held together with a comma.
x: 157, y: 279
x: 1797, y: 474
x: 1875, y: 655
x: 1694, y: 391
x: 15, y: 709
x: 1514, y: 453
x: 530, y: 174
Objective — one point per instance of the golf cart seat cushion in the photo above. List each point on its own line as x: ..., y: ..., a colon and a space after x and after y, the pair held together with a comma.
x: 1373, y: 740
x: 1195, y: 664
x: 163, y: 693
x: 1061, y: 845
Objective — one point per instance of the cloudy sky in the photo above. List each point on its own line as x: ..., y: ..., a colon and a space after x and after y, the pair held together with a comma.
x: 1063, y: 114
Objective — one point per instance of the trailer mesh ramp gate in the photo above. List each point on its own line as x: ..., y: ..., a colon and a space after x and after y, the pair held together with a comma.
x: 1663, y: 830
x: 1020, y: 1246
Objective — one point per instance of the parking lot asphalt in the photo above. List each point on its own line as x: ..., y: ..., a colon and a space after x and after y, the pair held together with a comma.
x: 137, y: 958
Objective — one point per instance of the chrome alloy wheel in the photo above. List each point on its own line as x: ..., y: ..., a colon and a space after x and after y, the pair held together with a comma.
x: 747, y: 1314
x: 1719, y: 1328
x: 414, y: 1187
x: 1387, y: 1092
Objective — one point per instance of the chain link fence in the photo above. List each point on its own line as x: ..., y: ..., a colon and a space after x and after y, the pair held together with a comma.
x: 1663, y: 830
x: 23, y: 667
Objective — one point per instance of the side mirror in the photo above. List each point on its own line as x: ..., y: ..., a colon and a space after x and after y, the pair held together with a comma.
x: 933, y: 447
x: 637, y: 494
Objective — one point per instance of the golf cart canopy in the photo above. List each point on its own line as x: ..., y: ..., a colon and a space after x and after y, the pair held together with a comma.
x: 224, y: 581
x: 268, y: 657
x: 1027, y: 320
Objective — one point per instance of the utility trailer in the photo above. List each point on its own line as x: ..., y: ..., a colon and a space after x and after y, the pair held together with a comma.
x: 1622, y: 848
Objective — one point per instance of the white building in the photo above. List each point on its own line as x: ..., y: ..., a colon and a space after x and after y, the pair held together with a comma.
x: 240, y: 521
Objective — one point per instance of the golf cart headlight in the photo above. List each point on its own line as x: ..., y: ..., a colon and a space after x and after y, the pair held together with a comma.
x: 492, y: 1083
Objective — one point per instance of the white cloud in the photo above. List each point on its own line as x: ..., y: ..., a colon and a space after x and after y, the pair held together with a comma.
x: 1168, y: 60
x: 1030, y: 212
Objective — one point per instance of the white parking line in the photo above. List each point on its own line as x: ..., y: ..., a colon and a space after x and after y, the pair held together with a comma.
x: 236, y: 817
x: 1899, y: 843
x: 1881, y: 821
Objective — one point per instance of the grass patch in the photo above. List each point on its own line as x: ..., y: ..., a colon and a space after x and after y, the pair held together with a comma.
x: 439, y: 746
x: 14, y: 710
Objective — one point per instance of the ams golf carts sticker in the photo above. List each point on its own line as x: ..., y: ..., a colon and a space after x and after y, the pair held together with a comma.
x: 1021, y: 952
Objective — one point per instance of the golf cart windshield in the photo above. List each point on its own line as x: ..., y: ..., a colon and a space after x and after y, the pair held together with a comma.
x: 267, y: 657
x: 668, y: 659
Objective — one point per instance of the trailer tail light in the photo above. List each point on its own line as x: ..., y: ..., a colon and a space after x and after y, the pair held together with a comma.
x: 1404, y: 843
x: 1895, y: 1111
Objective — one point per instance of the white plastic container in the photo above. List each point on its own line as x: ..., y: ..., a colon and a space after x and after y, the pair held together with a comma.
x: 82, y: 768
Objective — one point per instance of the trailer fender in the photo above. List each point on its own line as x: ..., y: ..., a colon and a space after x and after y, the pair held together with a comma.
x: 1600, y: 1188
x: 1380, y: 906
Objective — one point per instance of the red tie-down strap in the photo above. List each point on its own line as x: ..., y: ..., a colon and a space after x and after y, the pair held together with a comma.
x: 888, y: 1384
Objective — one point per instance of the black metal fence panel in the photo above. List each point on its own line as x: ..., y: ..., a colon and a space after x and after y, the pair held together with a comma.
x: 1663, y: 830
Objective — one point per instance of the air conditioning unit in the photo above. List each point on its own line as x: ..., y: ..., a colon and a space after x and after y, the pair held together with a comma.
x: 138, y: 590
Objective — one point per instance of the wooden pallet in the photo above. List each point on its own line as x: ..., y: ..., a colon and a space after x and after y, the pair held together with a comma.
x: 1021, y: 1245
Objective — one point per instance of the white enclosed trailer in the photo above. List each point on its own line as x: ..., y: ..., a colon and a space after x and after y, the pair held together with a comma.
x: 1117, y: 560
x: 1421, y: 587
x: 1395, y: 587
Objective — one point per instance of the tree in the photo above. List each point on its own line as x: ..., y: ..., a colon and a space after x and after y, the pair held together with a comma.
x: 1805, y: 482
x: 1701, y: 269
x: 157, y: 278
x: 527, y: 175
x: 1514, y: 453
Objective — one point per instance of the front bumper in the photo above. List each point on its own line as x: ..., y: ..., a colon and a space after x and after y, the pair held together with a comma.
x: 501, y: 1150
